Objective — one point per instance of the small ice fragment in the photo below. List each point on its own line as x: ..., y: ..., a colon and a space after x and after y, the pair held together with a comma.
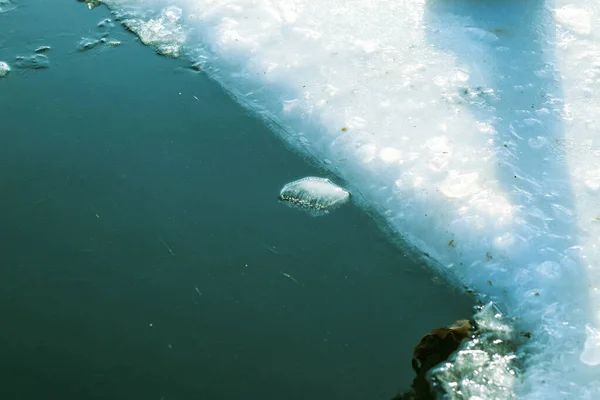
x: 42, y: 49
x: 6, y: 6
x: 315, y: 195
x: 4, y: 69
x: 91, y: 4
x: 87, y: 44
x: 104, y: 23
x: 37, y: 61
x: 113, y: 43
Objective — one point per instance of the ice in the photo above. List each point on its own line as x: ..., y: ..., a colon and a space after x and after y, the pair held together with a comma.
x: 87, y: 43
x: 591, y: 353
x: 6, y: 5
x: 37, y: 61
x: 315, y: 195
x: 42, y: 49
x: 466, y: 122
x: 91, y: 3
x: 4, y: 69
x: 90, y: 42
x: 486, y: 366
x: 163, y: 32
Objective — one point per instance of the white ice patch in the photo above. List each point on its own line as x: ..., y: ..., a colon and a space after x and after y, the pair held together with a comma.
x: 576, y: 19
x: 466, y: 122
x: 316, y: 195
x: 163, y: 32
x: 4, y: 69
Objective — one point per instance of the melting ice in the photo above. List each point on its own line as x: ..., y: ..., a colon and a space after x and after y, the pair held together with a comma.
x: 316, y: 195
x: 470, y: 123
x: 4, y: 69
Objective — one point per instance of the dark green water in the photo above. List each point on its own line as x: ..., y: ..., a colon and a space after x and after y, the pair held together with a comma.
x: 143, y: 250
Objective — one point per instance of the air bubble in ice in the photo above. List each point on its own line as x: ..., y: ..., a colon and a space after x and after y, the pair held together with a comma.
x: 315, y: 195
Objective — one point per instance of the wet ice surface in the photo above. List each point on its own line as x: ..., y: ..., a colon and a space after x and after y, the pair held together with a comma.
x: 471, y: 131
x: 163, y: 32
x: 486, y: 367
x: 318, y: 196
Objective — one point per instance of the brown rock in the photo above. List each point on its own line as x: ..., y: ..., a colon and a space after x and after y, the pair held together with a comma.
x: 438, y: 345
x: 432, y: 349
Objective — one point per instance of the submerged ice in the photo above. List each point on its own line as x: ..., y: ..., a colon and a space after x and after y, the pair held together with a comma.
x: 470, y: 126
x: 316, y: 195
x: 104, y: 28
x: 36, y: 61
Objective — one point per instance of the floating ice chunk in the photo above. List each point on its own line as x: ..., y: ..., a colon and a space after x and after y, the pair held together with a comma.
x: 88, y: 44
x: 42, y: 49
x: 6, y: 6
x: 315, y: 195
x: 91, y: 4
x: 4, y: 69
x: 105, y: 23
x: 37, y: 61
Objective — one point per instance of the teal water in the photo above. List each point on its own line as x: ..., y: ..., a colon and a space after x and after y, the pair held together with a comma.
x: 143, y: 253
